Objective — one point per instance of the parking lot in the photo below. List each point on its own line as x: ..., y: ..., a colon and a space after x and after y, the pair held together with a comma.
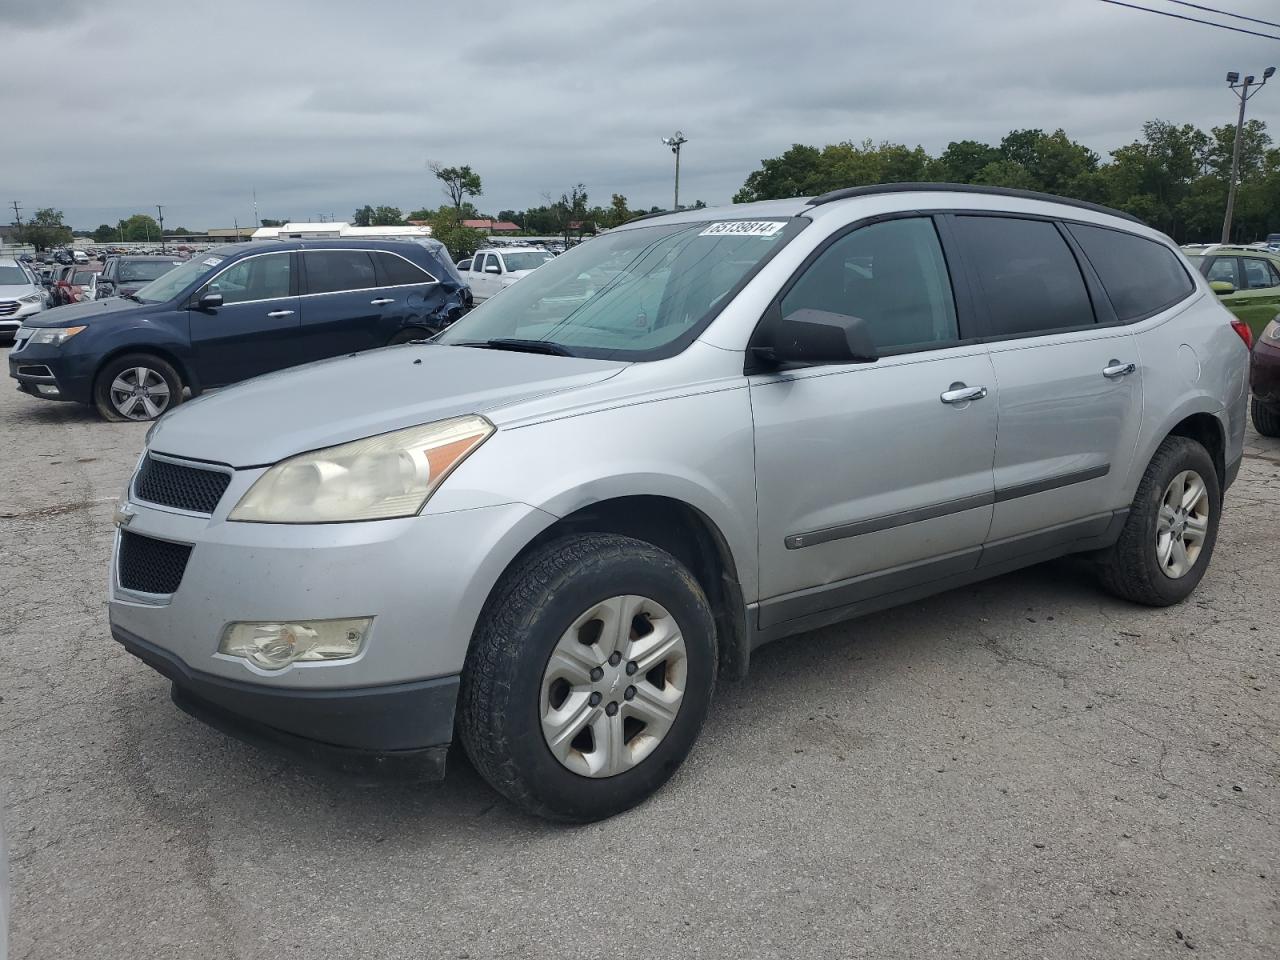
x: 1022, y: 768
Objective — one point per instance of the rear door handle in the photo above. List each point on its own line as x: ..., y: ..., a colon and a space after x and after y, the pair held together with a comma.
x: 1115, y: 370
x: 280, y: 313
x: 382, y: 300
x: 959, y: 393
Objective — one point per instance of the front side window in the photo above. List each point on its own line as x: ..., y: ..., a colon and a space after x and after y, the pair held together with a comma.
x: 1259, y: 273
x: 1029, y: 278
x: 255, y: 278
x: 1224, y: 269
x: 1141, y: 277
x: 335, y: 271
x: 893, y: 276
x: 638, y: 293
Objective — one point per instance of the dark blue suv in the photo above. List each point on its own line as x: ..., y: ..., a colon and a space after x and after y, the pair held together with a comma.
x: 236, y: 312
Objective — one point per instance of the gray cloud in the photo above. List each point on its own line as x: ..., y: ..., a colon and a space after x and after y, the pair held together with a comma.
x: 324, y: 105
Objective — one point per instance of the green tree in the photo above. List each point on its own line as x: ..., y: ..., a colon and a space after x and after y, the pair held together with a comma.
x: 458, y: 183
x: 46, y: 230
x: 139, y: 228
x: 387, y: 217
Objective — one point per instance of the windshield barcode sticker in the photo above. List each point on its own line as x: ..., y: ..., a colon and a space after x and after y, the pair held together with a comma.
x: 743, y: 228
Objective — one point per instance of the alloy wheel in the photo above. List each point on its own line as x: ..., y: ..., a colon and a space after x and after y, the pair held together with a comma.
x: 613, y: 686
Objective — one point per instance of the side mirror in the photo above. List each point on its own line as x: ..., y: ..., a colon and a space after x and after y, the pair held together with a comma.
x: 493, y: 268
x: 1222, y: 287
x: 817, y: 336
x: 209, y: 301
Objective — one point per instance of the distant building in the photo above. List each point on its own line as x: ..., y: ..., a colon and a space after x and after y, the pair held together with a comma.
x: 333, y: 230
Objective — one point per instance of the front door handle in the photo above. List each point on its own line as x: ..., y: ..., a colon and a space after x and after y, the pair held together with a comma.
x: 959, y: 393
x: 280, y: 313
x: 382, y: 300
x: 1115, y: 370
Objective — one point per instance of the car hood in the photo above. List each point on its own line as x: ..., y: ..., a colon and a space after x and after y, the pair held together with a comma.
x: 86, y: 311
x: 267, y: 419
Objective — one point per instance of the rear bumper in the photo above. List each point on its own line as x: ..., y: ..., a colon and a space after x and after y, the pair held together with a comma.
x: 402, y: 727
x: 1264, y: 371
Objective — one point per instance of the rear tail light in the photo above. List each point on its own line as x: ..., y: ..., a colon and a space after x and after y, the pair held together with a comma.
x: 1242, y: 328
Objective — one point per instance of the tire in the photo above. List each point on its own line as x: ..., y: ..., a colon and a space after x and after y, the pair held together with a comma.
x: 1133, y: 568
x: 148, y: 406
x: 1266, y: 417
x: 506, y: 696
x: 409, y: 336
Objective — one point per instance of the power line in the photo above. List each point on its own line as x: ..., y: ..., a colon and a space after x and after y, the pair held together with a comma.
x: 1224, y: 13
x: 1179, y: 16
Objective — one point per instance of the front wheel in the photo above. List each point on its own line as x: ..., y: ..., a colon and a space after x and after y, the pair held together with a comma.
x: 1266, y: 417
x: 1168, y: 538
x: 136, y: 386
x: 589, y: 677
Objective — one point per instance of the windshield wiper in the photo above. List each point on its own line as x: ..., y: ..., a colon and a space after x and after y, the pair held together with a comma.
x: 523, y: 346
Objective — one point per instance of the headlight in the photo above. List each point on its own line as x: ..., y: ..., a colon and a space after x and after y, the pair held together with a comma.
x: 55, y: 335
x: 377, y: 478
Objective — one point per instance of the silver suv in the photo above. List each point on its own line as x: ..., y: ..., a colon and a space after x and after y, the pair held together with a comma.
x: 550, y: 529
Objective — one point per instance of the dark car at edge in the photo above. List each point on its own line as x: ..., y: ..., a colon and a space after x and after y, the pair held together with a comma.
x: 235, y: 312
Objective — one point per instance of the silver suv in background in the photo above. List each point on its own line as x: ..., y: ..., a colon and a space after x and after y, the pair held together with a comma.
x: 21, y: 296
x: 550, y: 530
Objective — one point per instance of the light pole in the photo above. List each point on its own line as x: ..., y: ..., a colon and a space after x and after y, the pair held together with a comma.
x: 1241, y: 90
x: 675, y: 142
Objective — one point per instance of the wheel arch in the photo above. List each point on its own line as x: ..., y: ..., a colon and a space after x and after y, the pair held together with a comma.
x: 689, y: 535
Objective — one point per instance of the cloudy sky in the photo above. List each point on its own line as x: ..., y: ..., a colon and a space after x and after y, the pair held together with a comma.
x: 324, y: 105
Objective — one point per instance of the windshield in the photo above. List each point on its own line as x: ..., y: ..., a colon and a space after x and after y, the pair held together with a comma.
x: 177, y: 280
x: 145, y: 269
x: 13, y: 276
x: 636, y: 294
x: 525, y: 261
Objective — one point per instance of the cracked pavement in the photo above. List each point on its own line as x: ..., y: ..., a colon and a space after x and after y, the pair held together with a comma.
x: 1025, y: 768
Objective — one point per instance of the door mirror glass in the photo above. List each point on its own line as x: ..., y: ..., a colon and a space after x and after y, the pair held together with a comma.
x: 817, y: 336
x: 1222, y: 287
x: 209, y: 301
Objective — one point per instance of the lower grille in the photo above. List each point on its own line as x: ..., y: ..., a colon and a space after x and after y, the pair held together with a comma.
x: 151, y: 566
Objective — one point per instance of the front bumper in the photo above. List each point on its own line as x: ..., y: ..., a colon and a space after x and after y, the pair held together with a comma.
x: 44, y: 371
x: 403, y: 727
x: 1264, y: 371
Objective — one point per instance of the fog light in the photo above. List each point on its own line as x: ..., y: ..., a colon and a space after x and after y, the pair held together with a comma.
x: 47, y: 389
x: 273, y: 646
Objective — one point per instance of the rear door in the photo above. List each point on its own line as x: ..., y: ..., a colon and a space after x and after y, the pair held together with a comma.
x: 1070, y: 388
x: 256, y: 328
x: 874, y: 477
x: 342, y: 307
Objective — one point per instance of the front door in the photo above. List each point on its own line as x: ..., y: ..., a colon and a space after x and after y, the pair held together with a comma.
x: 1070, y: 394
x: 874, y: 477
x: 256, y: 328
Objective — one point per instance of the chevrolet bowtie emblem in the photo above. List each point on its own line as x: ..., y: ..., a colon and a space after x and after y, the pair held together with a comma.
x: 123, y: 516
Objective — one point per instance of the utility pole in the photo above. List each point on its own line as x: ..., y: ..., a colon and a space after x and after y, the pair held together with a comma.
x: 160, y: 211
x: 1241, y: 90
x: 675, y: 142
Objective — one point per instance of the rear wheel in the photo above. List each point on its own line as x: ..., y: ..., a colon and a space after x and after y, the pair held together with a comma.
x: 1168, y: 538
x: 136, y: 386
x: 1266, y: 417
x: 589, y: 677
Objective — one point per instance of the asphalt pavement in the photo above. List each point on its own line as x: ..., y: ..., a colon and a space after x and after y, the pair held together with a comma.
x: 1024, y: 768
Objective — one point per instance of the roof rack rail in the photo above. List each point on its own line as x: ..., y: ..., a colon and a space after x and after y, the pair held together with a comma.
x: 878, y: 188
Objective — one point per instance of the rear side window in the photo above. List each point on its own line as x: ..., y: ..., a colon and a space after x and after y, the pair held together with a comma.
x: 890, y: 274
x: 1141, y: 277
x: 397, y: 271
x: 1029, y: 278
x: 333, y: 271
